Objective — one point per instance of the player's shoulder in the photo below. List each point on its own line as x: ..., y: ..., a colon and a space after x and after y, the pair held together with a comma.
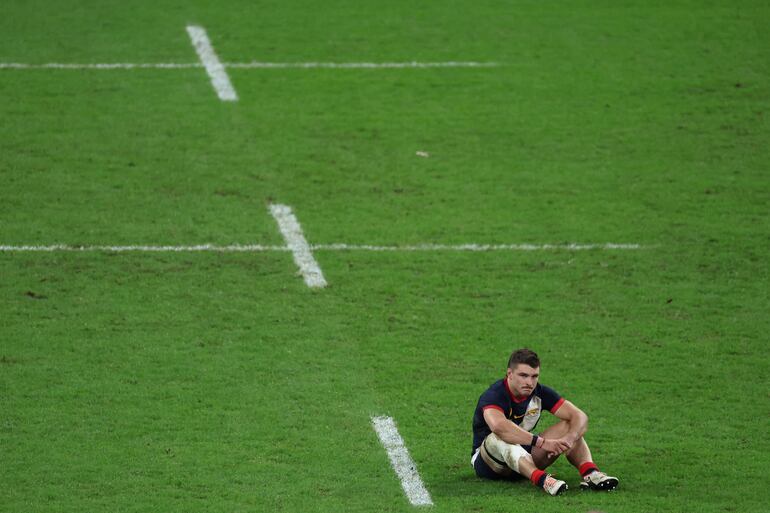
x: 541, y: 390
x: 497, y: 385
x: 495, y: 389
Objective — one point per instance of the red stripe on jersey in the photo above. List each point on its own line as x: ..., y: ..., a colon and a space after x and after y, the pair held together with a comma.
x: 557, y: 405
x: 496, y: 407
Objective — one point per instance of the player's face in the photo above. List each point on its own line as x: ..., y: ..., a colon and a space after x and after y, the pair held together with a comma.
x: 523, y: 379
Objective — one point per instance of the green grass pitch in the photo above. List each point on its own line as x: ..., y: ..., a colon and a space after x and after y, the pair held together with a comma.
x: 216, y: 382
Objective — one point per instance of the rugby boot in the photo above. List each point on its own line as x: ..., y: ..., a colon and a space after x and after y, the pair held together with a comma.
x: 553, y: 485
x: 599, y: 481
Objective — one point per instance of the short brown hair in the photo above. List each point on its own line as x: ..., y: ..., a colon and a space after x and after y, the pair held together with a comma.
x: 526, y: 356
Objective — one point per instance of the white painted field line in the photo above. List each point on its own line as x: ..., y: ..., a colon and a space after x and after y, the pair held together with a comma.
x: 211, y: 62
x: 101, y: 66
x: 233, y: 248
x: 256, y: 248
x: 359, y: 65
x: 476, y: 247
x: 248, y: 65
x: 401, y: 461
x: 300, y: 249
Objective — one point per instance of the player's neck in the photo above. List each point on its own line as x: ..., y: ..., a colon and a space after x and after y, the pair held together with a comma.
x: 516, y: 397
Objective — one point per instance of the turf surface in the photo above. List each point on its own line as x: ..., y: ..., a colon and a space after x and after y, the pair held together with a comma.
x: 220, y: 382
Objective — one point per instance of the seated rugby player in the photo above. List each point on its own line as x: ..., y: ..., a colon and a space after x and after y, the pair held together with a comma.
x: 504, y: 446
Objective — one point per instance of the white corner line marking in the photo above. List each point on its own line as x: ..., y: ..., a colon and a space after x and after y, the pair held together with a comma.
x: 255, y: 248
x: 102, y: 65
x: 247, y: 65
x: 476, y: 247
x: 211, y: 62
x: 402, y: 462
x: 300, y: 249
x: 232, y: 248
x: 359, y: 65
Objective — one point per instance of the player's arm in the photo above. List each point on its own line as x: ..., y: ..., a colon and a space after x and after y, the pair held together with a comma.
x: 510, y: 433
x: 506, y: 430
x: 577, y: 420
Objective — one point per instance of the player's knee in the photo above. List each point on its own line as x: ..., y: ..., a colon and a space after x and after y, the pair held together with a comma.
x: 508, y: 453
x: 542, y: 460
x: 516, y: 455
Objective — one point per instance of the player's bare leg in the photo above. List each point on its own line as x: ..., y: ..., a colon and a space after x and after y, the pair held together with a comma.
x: 579, y: 456
x: 504, y: 457
x: 539, y: 478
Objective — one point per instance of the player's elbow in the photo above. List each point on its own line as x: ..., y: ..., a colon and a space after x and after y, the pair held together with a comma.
x: 582, y: 419
x: 577, y: 418
x: 496, y: 427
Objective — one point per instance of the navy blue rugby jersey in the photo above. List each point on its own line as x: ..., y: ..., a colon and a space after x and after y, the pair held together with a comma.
x: 522, y: 411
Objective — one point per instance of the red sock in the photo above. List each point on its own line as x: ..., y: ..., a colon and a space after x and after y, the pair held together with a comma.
x: 537, y: 477
x: 587, y: 467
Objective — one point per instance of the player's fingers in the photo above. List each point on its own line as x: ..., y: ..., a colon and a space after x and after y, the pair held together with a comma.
x: 556, y: 450
x: 557, y: 447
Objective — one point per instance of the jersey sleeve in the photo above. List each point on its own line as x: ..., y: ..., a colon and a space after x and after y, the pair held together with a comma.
x: 491, y: 400
x: 552, y: 401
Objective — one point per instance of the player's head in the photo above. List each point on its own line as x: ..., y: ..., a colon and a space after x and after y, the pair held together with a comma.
x: 526, y: 356
x: 523, y: 371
